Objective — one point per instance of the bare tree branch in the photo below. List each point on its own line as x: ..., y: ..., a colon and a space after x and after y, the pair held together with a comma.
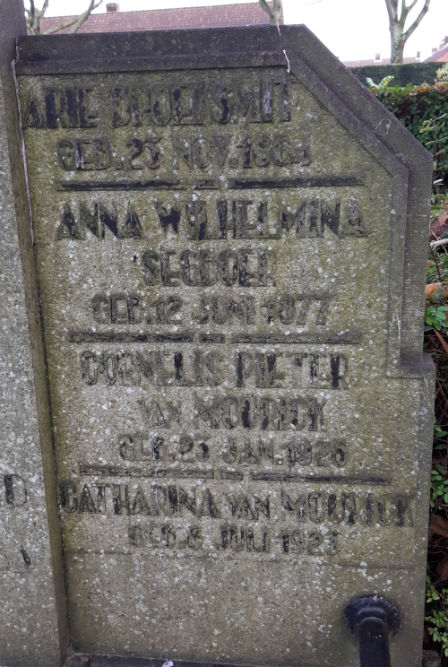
x: 82, y: 18
x: 412, y: 5
x: 417, y: 21
x: 30, y: 18
x: 61, y: 26
x: 392, y: 9
x: 34, y: 17
x: 32, y: 10
x: 274, y: 11
x: 436, y: 244
x: 397, y: 24
x: 405, y: 10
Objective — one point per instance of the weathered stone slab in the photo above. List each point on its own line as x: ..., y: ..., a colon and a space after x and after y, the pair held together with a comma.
x: 231, y: 243
x: 32, y: 612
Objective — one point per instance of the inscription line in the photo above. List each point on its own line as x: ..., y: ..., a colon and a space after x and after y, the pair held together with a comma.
x: 296, y: 477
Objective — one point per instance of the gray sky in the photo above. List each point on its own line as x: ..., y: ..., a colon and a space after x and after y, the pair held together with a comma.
x: 351, y: 29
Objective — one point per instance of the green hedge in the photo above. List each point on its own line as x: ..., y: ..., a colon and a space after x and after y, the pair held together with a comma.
x: 424, y: 111
x: 414, y: 73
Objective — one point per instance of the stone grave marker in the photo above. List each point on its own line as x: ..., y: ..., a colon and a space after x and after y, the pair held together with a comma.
x: 33, y: 626
x: 230, y: 243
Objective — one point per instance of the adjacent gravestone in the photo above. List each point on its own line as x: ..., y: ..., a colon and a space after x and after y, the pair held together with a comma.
x: 230, y: 240
x: 32, y: 619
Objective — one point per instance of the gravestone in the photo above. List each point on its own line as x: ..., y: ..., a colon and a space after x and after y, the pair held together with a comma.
x: 33, y: 626
x: 230, y: 245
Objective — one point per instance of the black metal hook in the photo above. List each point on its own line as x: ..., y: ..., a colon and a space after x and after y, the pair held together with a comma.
x: 371, y: 618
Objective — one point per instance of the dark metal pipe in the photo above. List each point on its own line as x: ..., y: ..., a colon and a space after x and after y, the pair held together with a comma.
x: 372, y: 618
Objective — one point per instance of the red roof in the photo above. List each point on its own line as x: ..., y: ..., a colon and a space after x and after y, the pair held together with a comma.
x: 166, y: 19
x: 440, y: 56
x: 383, y: 61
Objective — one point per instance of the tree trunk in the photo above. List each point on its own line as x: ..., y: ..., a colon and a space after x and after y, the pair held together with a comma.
x: 274, y: 10
x: 399, y: 34
x: 397, y: 42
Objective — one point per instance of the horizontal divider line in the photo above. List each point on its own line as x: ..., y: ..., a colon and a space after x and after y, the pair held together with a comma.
x: 231, y: 474
x: 175, y: 473
x: 349, y: 338
x: 323, y: 479
x: 212, y: 338
x: 212, y: 184
x: 300, y: 182
x: 87, y: 186
x: 196, y: 473
x: 127, y: 337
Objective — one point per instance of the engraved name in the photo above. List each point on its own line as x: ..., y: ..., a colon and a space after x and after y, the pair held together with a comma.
x: 219, y: 220
x: 265, y: 100
x: 208, y: 368
x: 298, y: 506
